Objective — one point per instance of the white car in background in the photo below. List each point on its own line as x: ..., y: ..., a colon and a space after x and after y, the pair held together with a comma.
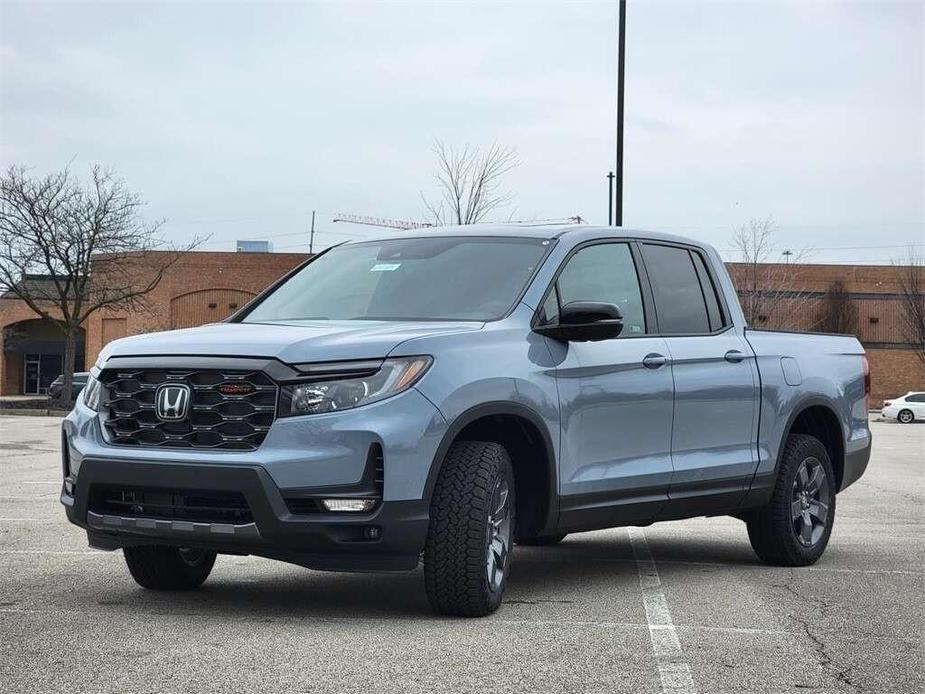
x: 905, y: 409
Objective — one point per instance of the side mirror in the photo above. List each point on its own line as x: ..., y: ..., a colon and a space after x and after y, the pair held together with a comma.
x: 585, y: 321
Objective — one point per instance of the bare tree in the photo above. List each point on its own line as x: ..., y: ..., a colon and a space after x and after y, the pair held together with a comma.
x: 768, y: 290
x: 910, y: 276
x: 469, y: 183
x: 838, y: 313
x: 58, y: 228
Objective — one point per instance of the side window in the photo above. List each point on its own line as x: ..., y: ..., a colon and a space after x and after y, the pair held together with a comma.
x: 918, y: 397
x: 679, y: 302
x: 714, y: 311
x: 605, y: 272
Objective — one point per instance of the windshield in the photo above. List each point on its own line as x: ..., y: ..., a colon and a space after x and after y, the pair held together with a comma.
x: 439, y: 278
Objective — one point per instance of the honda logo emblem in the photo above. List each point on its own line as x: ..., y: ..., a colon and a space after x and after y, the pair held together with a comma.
x: 171, y: 402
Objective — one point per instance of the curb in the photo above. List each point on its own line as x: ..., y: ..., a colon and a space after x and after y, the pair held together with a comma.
x: 11, y: 412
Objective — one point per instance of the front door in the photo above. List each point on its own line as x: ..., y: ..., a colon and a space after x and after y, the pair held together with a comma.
x: 615, y: 398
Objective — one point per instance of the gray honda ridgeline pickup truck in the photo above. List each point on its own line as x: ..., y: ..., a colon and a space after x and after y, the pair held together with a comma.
x: 449, y: 393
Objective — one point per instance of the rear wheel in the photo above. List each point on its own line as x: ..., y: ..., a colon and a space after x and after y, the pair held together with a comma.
x: 159, y: 567
x: 794, y: 528
x: 905, y: 417
x: 543, y: 541
x: 467, y: 555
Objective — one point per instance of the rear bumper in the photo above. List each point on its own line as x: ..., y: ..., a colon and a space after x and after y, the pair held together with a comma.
x: 318, y: 540
x: 857, y: 455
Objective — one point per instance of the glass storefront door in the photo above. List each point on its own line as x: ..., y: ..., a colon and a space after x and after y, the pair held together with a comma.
x: 40, y: 371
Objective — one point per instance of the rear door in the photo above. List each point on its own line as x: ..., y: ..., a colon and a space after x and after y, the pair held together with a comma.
x: 716, y: 383
x: 615, y: 396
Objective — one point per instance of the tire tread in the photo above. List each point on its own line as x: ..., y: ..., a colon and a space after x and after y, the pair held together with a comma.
x: 769, y: 528
x: 454, y: 553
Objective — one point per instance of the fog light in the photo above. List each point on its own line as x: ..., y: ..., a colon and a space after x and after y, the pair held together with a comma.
x: 349, y: 505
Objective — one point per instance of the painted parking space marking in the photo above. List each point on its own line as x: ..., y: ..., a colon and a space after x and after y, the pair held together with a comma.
x: 673, y: 670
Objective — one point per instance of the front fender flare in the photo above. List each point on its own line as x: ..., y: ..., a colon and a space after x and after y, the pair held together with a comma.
x: 500, y: 408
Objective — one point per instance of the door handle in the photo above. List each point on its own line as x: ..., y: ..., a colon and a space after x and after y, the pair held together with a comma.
x: 734, y: 356
x: 654, y: 360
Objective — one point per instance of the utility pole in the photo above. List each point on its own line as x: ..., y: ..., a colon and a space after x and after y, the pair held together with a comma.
x: 311, y: 237
x: 621, y: 70
x: 610, y: 199
x: 787, y: 255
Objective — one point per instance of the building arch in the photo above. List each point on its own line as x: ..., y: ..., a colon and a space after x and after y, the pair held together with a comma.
x: 32, y: 355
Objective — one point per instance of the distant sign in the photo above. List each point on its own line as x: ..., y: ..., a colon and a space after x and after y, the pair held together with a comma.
x: 254, y: 247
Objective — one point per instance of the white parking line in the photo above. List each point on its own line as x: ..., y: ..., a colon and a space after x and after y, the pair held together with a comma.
x: 755, y: 567
x: 673, y: 670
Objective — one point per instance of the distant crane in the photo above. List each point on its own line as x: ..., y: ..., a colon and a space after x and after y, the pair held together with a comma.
x: 407, y: 224
x: 381, y: 222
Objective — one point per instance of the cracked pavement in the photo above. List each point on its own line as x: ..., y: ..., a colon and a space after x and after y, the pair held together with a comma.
x: 72, y: 620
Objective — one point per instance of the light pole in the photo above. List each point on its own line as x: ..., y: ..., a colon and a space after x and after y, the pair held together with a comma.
x: 311, y: 236
x: 610, y: 199
x: 621, y: 69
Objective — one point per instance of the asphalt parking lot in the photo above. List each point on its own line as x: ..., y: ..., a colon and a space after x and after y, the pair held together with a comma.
x: 679, y: 606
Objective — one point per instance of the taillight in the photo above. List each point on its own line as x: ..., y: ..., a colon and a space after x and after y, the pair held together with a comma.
x: 887, y: 403
x: 866, y: 382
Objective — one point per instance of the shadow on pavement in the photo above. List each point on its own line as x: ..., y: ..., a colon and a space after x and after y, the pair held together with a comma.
x: 563, y: 573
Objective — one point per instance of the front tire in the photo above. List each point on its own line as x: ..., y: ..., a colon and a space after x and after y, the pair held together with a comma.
x: 158, y: 567
x: 467, y: 555
x: 794, y: 528
x: 905, y: 417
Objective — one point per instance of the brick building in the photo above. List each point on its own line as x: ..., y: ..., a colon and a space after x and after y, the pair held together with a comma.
x: 199, y: 288
x: 877, y: 303
x: 32, y: 349
x: 206, y: 287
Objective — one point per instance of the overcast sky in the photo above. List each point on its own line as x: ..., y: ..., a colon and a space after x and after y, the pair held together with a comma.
x: 236, y: 120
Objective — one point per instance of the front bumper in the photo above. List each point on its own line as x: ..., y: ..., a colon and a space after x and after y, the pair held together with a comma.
x: 319, y: 456
x: 319, y: 541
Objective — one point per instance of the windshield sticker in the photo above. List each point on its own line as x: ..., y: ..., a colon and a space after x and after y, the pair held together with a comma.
x: 385, y: 267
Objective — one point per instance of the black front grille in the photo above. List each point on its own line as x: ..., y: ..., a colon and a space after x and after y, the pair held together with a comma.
x: 236, y: 419
x: 171, y: 504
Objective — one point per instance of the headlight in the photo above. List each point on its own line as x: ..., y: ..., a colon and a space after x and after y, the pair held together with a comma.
x: 91, y: 393
x: 393, y: 377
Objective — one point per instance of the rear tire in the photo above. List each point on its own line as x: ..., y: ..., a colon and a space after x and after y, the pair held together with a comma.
x: 467, y: 555
x: 794, y: 528
x: 158, y: 567
x: 905, y: 417
x: 543, y: 541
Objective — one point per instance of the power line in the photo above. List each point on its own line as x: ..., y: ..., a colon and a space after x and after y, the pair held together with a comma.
x: 835, y: 248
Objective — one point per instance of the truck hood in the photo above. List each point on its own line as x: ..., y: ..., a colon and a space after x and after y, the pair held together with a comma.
x: 292, y: 342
